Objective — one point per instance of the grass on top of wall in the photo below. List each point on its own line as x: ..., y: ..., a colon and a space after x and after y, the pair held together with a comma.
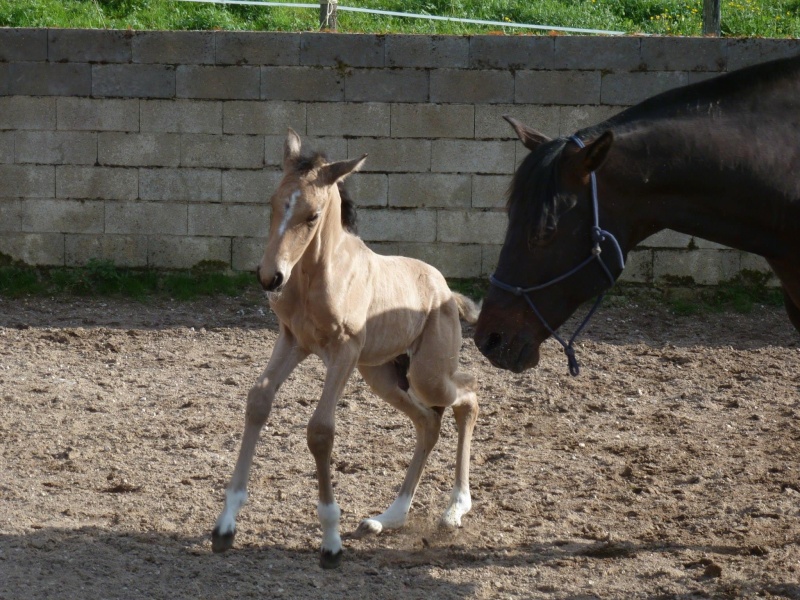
x: 761, y: 18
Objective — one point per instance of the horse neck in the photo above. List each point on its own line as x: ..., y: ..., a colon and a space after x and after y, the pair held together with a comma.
x: 694, y: 184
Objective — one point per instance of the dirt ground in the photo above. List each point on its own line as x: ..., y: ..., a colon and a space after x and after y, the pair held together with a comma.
x: 667, y: 469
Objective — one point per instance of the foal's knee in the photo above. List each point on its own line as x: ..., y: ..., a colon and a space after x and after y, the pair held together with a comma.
x: 259, y: 403
x: 319, y: 437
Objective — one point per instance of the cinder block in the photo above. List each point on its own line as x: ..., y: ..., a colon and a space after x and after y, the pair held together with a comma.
x: 218, y: 83
x: 12, y: 212
x: 302, y: 84
x: 50, y: 79
x: 464, y: 227
x: 433, y: 120
x: 368, y: 190
x: 257, y: 48
x: 224, y: 151
x: 149, y: 218
x: 667, y: 239
x: 133, y: 81
x: 23, y: 112
x: 341, y: 50
x: 270, y: 118
x: 427, y: 52
x: 182, y: 252
x: 139, y: 149
x: 490, y: 256
x: 62, y: 216
x: 6, y: 147
x: 627, y: 89
x: 386, y: 225
x: 247, y: 253
x: 753, y: 262
x: 452, y: 260
x: 181, y: 116
x: 429, y: 190
x: 56, y: 147
x: 472, y: 156
x: 123, y: 250
x: 698, y: 242
x: 511, y: 52
x: 489, y: 122
x: 597, y: 53
x: 5, y: 79
x: 96, y: 182
x: 391, y: 155
x: 575, y: 118
x: 173, y: 47
x: 192, y: 185
x: 382, y: 85
x: 97, y: 115
x: 335, y: 148
x: 684, y: 54
x: 89, y: 45
x: 27, y: 181
x: 557, y: 87
x: 385, y: 248
x: 363, y: 119
x: 705, y: 267
x: 490, y: 191
x: 743, y: 52
x: 36, y: 249
x: 253, y: 186
x: 235, y: 220
x: 638, y: 267
x: 23, y: 44
x: 461, y: 86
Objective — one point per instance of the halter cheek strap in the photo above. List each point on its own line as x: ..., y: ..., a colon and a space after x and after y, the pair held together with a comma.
x: 598, y: 235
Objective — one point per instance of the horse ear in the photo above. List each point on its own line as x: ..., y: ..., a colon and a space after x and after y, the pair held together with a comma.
x: 291, y: 148
x: 333, y: 172
x: 530, y: 138
x: 594, y: 155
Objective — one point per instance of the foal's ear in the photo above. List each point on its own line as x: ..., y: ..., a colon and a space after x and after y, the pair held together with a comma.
x: 291, y: 148
x: 333, y: 172
x: 594, y: 155
x: 530, y: 138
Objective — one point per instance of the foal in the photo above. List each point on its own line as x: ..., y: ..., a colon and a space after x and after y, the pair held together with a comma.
x: 393, y: 318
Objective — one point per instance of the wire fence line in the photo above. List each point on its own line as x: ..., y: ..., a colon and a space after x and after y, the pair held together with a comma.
x: 328, y: 8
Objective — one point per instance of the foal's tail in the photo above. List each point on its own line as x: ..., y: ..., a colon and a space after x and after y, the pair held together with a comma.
x: 467, y: 309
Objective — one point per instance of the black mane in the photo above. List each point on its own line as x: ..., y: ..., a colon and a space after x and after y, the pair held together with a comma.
x: 305, y: 164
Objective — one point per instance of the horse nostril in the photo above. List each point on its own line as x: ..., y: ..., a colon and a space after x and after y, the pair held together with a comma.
x: 493, y: 341
x: 275, y: 283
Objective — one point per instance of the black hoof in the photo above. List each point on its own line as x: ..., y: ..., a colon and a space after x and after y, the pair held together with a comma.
x: 329, y: 560
x: 219, y: 542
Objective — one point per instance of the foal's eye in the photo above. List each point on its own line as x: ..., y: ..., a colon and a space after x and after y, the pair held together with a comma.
x: 312, y: 219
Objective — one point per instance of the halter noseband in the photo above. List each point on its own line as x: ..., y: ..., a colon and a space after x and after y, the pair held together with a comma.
x: 598, y: 235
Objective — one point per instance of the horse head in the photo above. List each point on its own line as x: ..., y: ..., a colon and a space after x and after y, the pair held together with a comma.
x: 306, y: 202
x: 548, y: 249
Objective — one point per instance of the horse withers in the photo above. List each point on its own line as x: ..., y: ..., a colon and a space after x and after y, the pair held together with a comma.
x: 719, y: 160
x: 393, y: 318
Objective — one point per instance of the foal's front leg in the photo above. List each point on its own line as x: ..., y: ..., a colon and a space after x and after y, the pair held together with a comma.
x: 321, y: 429
x: 285, y: 357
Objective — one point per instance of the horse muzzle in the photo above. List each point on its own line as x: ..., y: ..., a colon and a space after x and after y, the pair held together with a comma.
x: 512, y: 353
x: 273, y: 284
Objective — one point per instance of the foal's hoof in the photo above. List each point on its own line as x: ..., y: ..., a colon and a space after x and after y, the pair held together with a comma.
x: 330, y: 560
x: 222, y: 541
x: 365, y: 528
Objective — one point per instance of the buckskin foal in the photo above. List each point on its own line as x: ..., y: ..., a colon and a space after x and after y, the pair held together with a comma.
x: 393, y: 318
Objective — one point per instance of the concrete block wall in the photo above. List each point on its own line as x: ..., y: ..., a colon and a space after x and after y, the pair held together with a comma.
x: 160, y: 149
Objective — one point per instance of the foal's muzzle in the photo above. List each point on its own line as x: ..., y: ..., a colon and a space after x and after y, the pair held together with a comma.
x: 272, y: 286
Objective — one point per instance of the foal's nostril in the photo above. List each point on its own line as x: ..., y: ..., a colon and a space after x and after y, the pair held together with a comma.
x: 493, y: 341
x: 275, y: 283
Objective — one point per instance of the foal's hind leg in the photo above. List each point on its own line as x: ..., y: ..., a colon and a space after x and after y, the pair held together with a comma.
x: 285, y: 357
x: 385, y: 382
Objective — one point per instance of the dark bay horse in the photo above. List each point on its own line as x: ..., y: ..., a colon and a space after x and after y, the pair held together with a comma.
x: 719, y: 159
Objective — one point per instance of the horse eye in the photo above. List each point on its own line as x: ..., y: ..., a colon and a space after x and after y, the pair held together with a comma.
x: 312, y: 219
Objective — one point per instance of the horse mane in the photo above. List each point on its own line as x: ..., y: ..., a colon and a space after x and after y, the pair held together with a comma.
x: 307, y: 163
x: 533, y: 189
